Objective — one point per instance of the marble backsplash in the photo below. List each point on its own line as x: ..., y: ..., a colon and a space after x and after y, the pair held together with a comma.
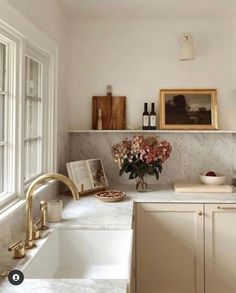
x: 203, y: 152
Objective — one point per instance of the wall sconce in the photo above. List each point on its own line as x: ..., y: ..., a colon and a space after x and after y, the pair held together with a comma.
x: 187, y: 49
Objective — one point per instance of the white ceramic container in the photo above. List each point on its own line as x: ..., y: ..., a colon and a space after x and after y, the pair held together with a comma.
x: 54, y: 210
x: 219, y: 179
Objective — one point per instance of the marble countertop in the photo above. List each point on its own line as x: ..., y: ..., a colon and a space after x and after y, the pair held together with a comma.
x: 91, y: 213
x: 66, y: 285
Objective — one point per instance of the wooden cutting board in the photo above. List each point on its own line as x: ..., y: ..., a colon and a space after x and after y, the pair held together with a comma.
x: 113, y: 112
x: 181, y: 186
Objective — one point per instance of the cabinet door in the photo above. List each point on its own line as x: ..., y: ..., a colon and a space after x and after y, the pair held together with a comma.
x: 220, y: 255
x: 170, y: 254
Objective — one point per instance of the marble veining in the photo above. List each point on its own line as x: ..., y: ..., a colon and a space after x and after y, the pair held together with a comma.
x: 66, y: 286
x: 205, y: 151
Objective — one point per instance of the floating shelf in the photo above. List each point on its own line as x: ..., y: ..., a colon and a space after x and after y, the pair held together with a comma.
x: 154, y: 131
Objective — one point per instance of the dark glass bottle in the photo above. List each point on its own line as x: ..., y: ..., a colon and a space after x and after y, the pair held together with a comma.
x: 153, y: 118
x: 145, y: 117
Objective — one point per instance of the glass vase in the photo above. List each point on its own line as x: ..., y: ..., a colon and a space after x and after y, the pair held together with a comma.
x: 141, y: 184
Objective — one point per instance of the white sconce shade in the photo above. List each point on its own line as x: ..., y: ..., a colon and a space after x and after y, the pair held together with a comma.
x: 187, y: 50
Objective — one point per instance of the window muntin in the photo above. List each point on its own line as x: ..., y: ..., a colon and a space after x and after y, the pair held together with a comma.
x: 33, y: 119
x: 2, y: 117
x: 1, y: 170
x: 3, y: 95
x: 2, y: 66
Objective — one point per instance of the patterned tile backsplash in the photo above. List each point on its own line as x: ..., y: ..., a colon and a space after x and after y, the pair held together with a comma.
x: 203, y: 152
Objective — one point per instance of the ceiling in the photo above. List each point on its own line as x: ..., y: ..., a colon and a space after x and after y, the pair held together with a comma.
x: 148, y: 9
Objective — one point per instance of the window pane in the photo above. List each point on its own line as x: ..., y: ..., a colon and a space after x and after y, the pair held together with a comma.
x: 1, y: 169
x: 2, y: 118
x: 33, y: 70
x: 32, y: 167
x: 2, y: 66
x: 31, y: 118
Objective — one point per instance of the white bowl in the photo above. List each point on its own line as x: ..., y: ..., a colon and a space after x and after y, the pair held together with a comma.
x: 213, y: 180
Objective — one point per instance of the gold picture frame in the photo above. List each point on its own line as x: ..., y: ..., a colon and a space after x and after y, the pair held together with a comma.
x: 188, y: 109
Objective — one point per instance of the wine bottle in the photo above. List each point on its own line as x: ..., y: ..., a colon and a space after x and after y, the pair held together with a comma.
x: 153, y: 118
x: 145, y: 117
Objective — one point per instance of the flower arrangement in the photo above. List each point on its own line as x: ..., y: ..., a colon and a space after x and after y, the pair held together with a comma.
x: 141, y: 156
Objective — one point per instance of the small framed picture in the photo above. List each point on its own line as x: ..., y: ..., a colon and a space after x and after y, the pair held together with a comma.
x: 188, y: 109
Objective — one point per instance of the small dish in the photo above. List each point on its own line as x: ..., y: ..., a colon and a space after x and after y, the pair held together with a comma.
x: 219, y: 179
x: 110, y: 195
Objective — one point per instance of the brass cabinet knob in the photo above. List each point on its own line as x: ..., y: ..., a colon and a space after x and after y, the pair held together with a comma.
x: 18, y: 249
x: 200, y: 213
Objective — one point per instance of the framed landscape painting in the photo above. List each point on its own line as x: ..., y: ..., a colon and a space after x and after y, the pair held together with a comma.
x: 188, y: 109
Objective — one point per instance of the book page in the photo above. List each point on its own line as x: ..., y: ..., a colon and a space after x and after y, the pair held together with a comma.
x: 97, y: 173
x: 80, y: 175
x: 69, y: 171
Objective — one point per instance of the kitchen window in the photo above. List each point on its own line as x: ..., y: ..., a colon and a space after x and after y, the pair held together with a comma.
x: 37, y: 114
x: 33, y: 119
x: 7, y: 118
x: 27, y: 114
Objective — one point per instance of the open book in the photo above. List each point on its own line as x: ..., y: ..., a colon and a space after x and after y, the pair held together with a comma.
x: 87, y: 174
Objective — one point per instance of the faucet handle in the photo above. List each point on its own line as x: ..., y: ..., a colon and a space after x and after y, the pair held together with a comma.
x: 43, y: 217
x: 43, y: 205
x: 18, y: 249
x: 36, y: 230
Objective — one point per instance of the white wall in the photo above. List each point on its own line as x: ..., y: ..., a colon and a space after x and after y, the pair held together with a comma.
x: 140, y: 57
x: 137, y: 58
x: 233, y: 71
x: 49, y: 18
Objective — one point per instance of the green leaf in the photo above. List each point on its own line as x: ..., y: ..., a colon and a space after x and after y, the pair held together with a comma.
x: 122, y: 170
x: 156, y: 174
x: 133, y: 175
x: 159, y: 166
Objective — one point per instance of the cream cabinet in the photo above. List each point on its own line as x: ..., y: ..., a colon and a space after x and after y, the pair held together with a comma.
x: 169, y: 248
x: 185, y: 248
x: 220, y: 248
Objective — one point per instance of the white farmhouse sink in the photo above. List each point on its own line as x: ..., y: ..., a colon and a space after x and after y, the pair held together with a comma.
x: 83, y: 254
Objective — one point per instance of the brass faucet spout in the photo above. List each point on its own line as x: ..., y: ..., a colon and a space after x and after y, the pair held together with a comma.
x: 29, y: 201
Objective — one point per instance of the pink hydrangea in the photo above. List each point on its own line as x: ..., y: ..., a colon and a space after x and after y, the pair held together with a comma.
x: 147, y: 150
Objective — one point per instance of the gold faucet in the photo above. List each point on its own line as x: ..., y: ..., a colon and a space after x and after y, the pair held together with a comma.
x: 29, y: 242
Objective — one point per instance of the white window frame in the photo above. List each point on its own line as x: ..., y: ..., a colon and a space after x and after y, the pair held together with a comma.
x: 48, y: 151
x: 27, y: 40
x: 12, y: 45
x: 43, y: 60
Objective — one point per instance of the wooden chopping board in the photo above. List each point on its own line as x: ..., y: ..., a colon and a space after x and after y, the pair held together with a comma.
x: 181, y: 186
x: 113, y: 112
